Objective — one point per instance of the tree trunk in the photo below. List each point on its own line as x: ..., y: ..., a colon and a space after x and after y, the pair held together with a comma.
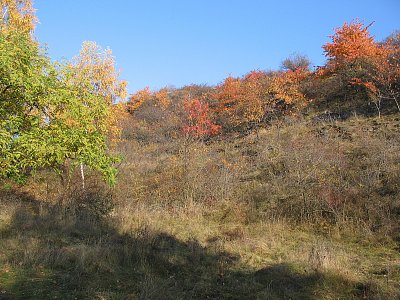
x: 83, y: 177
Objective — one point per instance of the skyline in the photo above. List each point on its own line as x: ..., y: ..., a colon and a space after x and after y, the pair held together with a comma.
x: 180, y: 43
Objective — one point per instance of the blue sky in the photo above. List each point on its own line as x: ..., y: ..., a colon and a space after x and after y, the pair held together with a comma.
x: 179, y: 42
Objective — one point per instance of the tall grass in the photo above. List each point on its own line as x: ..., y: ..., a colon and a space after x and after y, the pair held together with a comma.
x: 299, y: 210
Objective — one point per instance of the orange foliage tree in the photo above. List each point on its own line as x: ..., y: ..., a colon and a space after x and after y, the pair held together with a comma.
x: 228, y: 94
x: 285, y: 89
x: 250, y: 99
x: 160, y: 97
x: 382, y: 81
x: 198, y: 122
x: 252, y: 106
x: 350, y: 42
x: 371, y: 65
x: 136, y: 100
x: 242, y: 100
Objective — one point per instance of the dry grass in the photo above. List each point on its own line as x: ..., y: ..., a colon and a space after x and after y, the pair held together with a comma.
x: 296, y: 211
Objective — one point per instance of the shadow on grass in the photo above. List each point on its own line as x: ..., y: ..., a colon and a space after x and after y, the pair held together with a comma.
x: 49, y: 253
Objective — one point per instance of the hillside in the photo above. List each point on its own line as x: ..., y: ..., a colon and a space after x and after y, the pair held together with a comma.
x: 251, y: 222
x: 280, y: 184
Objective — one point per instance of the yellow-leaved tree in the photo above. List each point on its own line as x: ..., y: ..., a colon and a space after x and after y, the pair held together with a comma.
x: 94, y: 78
x: 18, y: 15
x: 94, y: 75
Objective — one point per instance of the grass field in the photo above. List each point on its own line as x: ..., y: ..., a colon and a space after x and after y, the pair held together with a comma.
x: 165, y: 238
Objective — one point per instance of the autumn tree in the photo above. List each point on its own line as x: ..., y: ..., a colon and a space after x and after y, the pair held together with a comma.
x: 158, y: 115
x: 136, y: 100
x: 250, y: 99
x: 350, y: 43
x: 382, y: 77
x: 242, y: 101
x: 198, y: 122
x: 94, y: 75
x: 17, y: 15
x: 254, y: 97
x: 197, y: 126
x: 285, y: 89
x: 160, y: 97
x: 93, y: 78
x: 153, y: 115
x: 362, y: 62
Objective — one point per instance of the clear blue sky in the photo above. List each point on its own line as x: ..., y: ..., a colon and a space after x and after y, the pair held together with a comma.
x: 178, y: 42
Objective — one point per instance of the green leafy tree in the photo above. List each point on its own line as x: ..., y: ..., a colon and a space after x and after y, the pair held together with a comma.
x: 46, y: 119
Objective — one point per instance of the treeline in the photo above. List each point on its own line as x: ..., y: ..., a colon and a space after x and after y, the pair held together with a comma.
x: 360, y: 76
x: 315, y: 146
x: 61, y: 115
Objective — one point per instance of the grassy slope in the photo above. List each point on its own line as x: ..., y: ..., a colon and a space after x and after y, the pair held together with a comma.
x: 152, y: 250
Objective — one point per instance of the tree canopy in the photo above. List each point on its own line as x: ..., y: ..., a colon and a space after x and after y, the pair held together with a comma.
x: 51, y: 113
